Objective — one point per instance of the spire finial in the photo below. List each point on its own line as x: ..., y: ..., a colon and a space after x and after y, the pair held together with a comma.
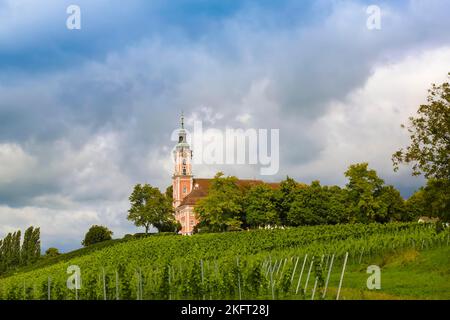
x: 182, y: 120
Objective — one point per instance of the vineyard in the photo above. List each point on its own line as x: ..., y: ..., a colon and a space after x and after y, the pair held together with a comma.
x: 296, y: 263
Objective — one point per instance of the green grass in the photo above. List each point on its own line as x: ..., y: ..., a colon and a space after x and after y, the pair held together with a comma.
x: 405, y: 275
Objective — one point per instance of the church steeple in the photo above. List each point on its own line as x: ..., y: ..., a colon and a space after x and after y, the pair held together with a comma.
x: 182, y: 177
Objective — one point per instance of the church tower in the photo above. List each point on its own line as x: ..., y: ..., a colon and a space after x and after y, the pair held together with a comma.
x: 182, y: 178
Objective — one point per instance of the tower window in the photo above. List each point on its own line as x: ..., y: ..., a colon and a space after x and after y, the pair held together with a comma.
x: 184, y: 189
x: 184, y: 171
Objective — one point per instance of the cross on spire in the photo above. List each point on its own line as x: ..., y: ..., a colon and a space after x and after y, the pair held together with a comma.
x: 182, y: 120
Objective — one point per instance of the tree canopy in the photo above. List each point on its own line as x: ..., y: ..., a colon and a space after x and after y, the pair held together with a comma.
x: 96, y: 234
x: 429, y: 130
x: 222, y: 209
x: 150, y: 207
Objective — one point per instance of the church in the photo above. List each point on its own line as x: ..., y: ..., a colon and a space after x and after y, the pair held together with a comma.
x: 187, y: 190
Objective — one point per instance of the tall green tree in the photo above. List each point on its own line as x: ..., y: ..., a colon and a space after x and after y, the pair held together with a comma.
x: 7, y: 252
x: 260, y: 206
x: 436, y: 196
x: 222, y: 208
x: 285, y: 197
x: 150, y: 207
x: 338, y: 205
x: 36, y: 245
x: 2, y: 258
x: 27, y: 246
x: 392, y: 205
x: 415, y: 206
x: 364, y: 189
x: 429, y: 149
x: 308, y: 206
x: 15, y: 249
x: 169, y: 193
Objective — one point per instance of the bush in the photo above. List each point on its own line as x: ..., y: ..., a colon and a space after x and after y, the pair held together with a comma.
x: 52, y: 252
x: 96, y: 234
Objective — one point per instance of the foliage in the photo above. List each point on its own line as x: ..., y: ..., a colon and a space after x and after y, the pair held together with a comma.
x: 364, y: 189
x: 169, y: 193
x: 285, y: 197
x: 314, y: 204
x: 13, y: 255
x: 415, y: 206
x: 150, y: 207
x: 222, y: 209
x: 436, y: 196
x: 365, y: 199
x: 392, y: 205
x: 260, y: 206
x: 431, y: 200
x: 429, y: 151
x: 96, y: 234
x: 31, y: 247
x: 52, y: 252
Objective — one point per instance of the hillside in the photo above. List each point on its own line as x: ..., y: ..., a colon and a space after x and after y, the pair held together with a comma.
x: 260, y: 264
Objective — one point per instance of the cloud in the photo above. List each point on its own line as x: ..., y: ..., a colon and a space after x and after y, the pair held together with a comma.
x: 365, y: 126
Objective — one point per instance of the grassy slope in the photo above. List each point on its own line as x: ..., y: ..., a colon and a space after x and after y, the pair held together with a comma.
x: 409, y: 275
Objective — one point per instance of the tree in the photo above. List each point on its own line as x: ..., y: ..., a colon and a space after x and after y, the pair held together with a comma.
x: 150, y: 207
x: 436, y: 196
x: 306, y: 207
x: 285, y: 197
x: 429, y: 150
x: 52, y: 252
x: 31, y: 246
x: 169, y: 193
x: 415, y: 206
x: 364, y: 188
x: 338, y: 209
x: 392, y: 205
x: 96, y: 234
x: 260, y: 206
x: 222, y: 208
x: 36, y: 245
x: 6, y: 250
x: 15, y: 249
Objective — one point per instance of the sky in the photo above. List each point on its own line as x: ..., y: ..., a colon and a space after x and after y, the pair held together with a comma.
x: 87, y: 114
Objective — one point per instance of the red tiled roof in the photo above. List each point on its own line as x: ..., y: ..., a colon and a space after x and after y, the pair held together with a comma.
x: 201, y: 188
